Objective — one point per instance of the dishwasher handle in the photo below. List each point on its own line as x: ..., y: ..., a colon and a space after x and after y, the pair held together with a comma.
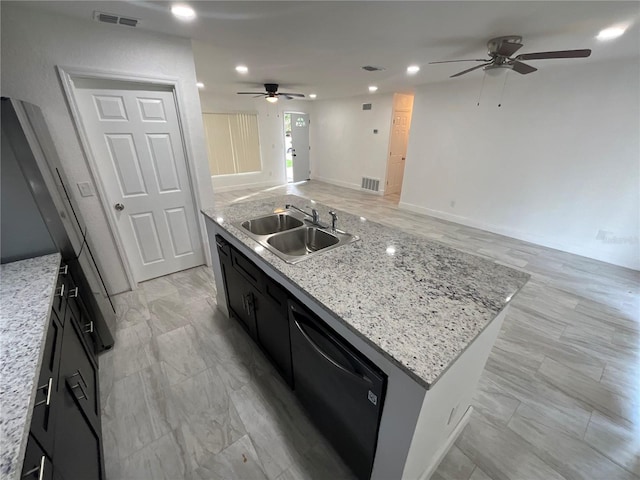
x: 316, y: 347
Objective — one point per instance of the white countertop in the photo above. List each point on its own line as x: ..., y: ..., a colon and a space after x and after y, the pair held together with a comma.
x: 26, y: 296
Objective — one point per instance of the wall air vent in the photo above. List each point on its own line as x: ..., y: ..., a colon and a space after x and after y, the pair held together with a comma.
x: 115, y: 19
x: 366, y: 106
x: 371, y: 68
x: 372, y: 184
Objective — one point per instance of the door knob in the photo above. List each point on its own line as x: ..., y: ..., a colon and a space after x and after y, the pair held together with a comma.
x: 119, y: 207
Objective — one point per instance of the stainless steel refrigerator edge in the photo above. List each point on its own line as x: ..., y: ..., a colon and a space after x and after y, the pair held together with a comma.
x: 39, y: 202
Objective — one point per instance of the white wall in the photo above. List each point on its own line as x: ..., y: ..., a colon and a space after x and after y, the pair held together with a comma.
x: 34, y: 42
x: 343, y: 143
x: 555, y: 165
x: 271, y: 132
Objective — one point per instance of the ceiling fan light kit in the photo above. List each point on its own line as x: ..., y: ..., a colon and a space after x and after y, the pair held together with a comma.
x: 501, y: 50
x: 271, y: 93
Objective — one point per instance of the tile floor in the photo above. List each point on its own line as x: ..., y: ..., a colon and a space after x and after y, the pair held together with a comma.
x: 186, y: 395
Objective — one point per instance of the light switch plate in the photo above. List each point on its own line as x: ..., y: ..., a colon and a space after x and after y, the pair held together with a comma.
x: 86, y: 189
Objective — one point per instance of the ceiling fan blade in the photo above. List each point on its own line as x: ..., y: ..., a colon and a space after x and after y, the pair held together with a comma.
x: 250, y: 93
x: 470, y: 70
x: 522, y: 68
x: 453, y: 61
x: 508, y: 48
x: 557, y: 54
x: 289, y: 94
x: 288, y: 97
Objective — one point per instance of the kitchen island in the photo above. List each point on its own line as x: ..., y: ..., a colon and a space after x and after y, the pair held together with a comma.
x: 425, y: 314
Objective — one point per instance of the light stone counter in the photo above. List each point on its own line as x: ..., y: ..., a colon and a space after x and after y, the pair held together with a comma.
x: 26, y: 296
x: 418, y: 302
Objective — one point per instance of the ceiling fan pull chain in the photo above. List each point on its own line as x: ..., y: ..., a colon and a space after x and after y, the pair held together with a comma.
x: 481, y: 88
x: 506, y: 74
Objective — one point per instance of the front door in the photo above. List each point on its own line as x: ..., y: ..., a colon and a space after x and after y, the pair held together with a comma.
x: 397, y: 151
x: 300, y: 146
x: 137, y: 143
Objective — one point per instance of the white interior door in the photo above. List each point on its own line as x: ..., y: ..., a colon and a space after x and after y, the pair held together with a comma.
x: 397, y: 151
x: 137, y: 143
x: 300, y: 146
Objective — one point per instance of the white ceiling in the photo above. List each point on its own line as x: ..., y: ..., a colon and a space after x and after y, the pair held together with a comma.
x: 320, y: 46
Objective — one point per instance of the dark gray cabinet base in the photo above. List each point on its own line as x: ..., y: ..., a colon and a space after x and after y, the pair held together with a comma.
x: 65, y: 437
x: 341, y: 390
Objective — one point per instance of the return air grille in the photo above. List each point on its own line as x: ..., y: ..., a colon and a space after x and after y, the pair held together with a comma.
x: 115, y: 19
x: 372, y: 184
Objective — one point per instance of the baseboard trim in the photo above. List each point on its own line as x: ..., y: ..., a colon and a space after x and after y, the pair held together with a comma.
x: 426, y: 475
x: 228, y: 188
x: 352, y: 186
x: 509, y: 232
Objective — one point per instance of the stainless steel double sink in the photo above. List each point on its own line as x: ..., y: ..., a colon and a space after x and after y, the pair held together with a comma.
x: 293, y: 238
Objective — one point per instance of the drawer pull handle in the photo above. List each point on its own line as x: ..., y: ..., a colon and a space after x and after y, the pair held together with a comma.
x: 61, y: 292
x: 79, y: 374
x: 39, y: 470
x: 89, y: 327
x: 64, y: 270
x: 73, y: 293
x: 48, y: 387
x: 79, y: 385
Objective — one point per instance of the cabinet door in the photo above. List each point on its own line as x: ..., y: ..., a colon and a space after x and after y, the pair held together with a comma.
x: 80, y: 315
x: 37, y: 465
x: 273, y: 327
x: 78, y: 449
x: 241, y: 298
x: 60, y: 294
x: 44, y: 408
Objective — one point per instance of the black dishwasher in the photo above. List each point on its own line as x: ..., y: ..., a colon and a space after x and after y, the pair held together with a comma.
x: 341, y: 390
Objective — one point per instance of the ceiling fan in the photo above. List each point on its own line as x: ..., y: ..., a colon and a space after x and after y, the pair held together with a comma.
x: 271, y: 93
x: 500, y: 54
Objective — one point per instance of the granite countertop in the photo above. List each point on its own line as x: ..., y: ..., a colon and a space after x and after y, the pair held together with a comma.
x: 415, y: 300
x: 26, y: 295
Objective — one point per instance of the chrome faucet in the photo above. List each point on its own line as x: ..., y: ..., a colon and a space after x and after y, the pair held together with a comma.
x: 314, y: 215
x: 334, y: 220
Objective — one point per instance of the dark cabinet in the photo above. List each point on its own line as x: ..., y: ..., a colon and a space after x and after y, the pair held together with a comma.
x: 42, y: 422
x: 239, y: 291
x: 37, y: 465
x: 259, y: 303
x: 273, y: 327
x: 65, y: 429
x: 80, y: 315
x: 342, y: 391
x: 77, y: 433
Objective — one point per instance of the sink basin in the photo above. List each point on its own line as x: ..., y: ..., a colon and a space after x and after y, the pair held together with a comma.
x: 302, y: 241
x: 278, y: 222
x: 287, y: 236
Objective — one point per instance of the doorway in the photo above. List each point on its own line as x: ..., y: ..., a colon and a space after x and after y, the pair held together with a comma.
x: 296, y: 145
x: 398, y: 141
x: 133, y: 133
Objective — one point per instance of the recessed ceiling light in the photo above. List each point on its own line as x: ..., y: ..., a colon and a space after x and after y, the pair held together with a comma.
x: 610, y: 33
x: 272, y: 99
x: 312, y: 96
x: 183, y: 12
x: 372, y: 88
x: 200, y: 85
x: 413, y: 69
x: 242, y: 69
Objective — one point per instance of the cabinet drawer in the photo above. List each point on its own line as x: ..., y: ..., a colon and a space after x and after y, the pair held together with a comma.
x: 79, y: 372
x: 80, y: 315
x: 60, y: 295
x: 37, y: 465
x: 247, y: 269
x: 44, y: 409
